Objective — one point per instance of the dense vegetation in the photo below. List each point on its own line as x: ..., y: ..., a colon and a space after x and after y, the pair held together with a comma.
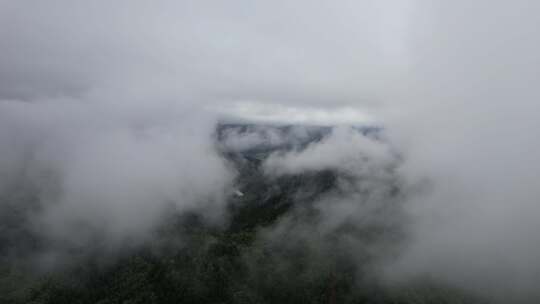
x: 244, y: 261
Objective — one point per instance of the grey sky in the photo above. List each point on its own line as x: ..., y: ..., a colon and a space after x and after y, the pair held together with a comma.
x: 302, y: 53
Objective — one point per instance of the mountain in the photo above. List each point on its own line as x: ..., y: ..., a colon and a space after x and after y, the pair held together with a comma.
x: 277, y: 244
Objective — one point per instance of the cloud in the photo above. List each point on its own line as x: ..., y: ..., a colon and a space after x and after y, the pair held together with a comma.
x: 346, y: 149
x: 101, y: 101
x: 465, y: 121
x: 361, y: 215
x: 267, y: 113
x: 106, y: 108
x: 308, y: 53
x: 95, y: 177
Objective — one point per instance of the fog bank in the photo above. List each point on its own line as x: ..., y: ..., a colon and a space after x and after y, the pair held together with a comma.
x: 466, y: 121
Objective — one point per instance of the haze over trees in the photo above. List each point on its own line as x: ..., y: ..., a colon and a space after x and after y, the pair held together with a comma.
x: 277, y: 152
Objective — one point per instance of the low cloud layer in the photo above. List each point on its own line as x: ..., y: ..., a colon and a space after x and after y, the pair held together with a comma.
x: 466, y: 121
x: 107, y: 112
x: 346, y: 150
x: 206, y: 52
x: 89, y: 177
x: 360, y: 221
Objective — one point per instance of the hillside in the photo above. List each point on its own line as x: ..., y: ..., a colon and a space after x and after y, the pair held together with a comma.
x: 273, y: 247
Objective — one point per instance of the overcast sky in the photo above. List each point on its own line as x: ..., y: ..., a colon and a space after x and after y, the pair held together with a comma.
x: 316, y: 54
